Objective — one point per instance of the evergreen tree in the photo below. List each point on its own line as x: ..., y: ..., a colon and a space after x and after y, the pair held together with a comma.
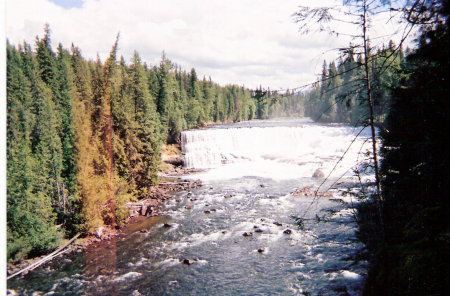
x: 31, y: 221
x: 148, y: 128
x: 46, y: 59
x: 63, y: 94
x: 414, y: 258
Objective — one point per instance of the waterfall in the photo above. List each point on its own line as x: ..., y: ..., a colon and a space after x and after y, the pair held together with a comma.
x: 306, y: 147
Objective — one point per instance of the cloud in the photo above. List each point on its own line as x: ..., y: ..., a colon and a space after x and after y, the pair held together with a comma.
x: 250, y: 42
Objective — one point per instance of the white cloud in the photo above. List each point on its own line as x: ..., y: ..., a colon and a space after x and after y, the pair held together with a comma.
x: 248, y: 42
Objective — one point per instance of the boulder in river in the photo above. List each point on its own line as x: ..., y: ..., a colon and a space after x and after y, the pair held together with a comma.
x: 167, y: 225
x: 187, y: 261
x: 207, y: 212
x: 318, y: 174
x: 305, y: 191
x: 136, y: 293
x: 246, y: 234
x: 228, y: 195
x: 278, y: 223
x: 259, y: 230
x: 287, y: 231
x: 261, y: 250
x: 189, y: 206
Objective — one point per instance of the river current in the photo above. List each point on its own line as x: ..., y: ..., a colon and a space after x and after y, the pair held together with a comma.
x: 238, y: 232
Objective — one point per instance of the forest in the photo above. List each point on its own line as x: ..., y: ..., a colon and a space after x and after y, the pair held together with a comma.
x: 84, y: 137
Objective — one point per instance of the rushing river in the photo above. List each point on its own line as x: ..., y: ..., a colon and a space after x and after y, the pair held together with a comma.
x: 250, y: 170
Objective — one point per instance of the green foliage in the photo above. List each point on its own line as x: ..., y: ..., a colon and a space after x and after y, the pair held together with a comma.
x: 339, y: 96
x: 31, y: 221
x: 412, y: 257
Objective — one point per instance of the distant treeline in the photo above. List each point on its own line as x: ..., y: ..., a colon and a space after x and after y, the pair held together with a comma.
x: 340, y: 93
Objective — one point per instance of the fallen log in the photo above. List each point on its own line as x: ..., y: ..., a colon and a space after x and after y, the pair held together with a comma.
x: 45, y: 259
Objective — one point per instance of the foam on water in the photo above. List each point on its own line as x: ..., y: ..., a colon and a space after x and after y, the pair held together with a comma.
x: 350, y: 275
x: 128, y: 276
x: 168, y: 262
x: 278, y: 153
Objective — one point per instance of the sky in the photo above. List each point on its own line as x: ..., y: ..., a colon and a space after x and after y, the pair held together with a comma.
x: 244, y: 42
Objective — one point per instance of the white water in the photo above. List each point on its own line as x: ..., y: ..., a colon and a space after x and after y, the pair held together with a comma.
x: 293, y: 151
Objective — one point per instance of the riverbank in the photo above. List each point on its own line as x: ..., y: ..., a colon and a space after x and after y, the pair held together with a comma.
x: 171, y: 170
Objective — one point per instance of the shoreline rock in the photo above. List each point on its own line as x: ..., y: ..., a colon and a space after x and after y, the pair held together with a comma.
x: 309, y: 191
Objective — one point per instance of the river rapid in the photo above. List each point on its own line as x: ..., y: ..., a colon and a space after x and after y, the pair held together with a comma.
x: 250, y: 170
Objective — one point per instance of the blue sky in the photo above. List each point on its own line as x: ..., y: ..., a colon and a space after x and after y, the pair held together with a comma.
x: 68, y: 3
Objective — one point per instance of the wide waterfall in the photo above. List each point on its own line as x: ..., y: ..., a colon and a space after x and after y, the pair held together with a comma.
x: 295, y: 149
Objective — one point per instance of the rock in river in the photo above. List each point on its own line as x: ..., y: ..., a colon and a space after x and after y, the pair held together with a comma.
x: 318, y: 174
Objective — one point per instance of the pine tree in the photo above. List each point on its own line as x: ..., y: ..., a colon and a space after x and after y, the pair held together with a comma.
x: 63, y: 94
x: 149, y: 130
x: 46, y: 58
x: 164, y: 99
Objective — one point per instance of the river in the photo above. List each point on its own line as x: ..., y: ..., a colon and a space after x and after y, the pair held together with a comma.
x: 250, y: 170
